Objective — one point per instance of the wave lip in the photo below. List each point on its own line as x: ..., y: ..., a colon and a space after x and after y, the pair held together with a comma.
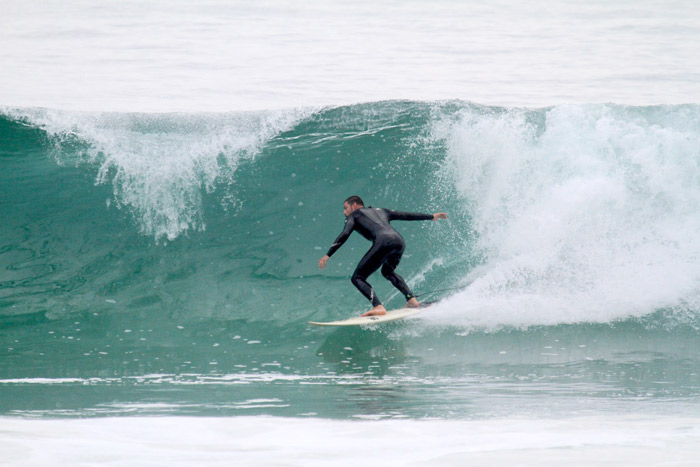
x: 160, y: 164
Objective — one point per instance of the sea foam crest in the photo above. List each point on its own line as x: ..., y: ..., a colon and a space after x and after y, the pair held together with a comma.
x: 160, y: 164
x: 583, y: 213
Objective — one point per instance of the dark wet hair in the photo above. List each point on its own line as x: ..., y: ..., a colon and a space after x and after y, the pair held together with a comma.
x: 355, y: 199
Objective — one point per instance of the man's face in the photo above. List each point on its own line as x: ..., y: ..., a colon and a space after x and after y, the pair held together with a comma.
x: 348, y: 209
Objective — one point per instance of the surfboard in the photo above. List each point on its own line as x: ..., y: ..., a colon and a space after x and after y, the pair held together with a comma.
x: 392, y: 315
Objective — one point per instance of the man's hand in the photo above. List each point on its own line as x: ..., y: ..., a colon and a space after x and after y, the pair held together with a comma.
x: 439, y: 215
x: 322, y: 262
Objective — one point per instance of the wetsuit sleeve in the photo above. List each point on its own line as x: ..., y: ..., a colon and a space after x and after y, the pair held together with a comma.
x: 408, y: 216
x: 349, y: 227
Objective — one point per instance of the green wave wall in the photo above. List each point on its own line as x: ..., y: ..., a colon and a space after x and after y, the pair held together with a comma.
x: 186, y: 246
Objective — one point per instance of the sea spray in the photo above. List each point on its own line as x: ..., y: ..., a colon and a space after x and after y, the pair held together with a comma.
x: 582, y: 213
x: 160, y: 164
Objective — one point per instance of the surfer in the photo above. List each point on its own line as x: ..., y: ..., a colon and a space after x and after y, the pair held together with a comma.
x: 387, y: 247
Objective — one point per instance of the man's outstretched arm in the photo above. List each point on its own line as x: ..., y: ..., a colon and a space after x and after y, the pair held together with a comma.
x: 349, y: 226
x: 414, y: 216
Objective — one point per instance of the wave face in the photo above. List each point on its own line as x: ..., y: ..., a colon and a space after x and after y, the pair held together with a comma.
x: 188, y: 243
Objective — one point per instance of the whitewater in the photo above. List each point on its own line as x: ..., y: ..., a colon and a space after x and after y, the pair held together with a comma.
x: 170, y: 174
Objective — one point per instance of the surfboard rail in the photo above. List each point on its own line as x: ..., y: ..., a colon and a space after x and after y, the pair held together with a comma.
x: 392, y: 315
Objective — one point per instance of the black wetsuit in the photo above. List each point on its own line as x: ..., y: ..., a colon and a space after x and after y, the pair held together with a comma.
x: 387, y: 247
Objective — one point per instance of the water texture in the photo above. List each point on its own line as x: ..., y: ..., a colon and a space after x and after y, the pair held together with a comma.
x: 167, y: 263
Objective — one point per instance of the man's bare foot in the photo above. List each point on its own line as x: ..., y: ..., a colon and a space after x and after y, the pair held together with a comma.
x: 412, y: 303
x: 376, y: 311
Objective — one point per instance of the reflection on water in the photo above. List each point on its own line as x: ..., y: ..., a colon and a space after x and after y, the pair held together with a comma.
x: 362, y: 350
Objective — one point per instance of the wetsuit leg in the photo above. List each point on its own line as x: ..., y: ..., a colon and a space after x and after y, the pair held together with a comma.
x: 390, y: 264
x: 369, y: 263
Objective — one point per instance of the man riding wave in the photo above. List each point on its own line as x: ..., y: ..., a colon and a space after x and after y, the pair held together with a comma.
x: 387, y: 247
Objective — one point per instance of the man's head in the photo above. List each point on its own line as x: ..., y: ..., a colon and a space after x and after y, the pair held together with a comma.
x: 351, y: 204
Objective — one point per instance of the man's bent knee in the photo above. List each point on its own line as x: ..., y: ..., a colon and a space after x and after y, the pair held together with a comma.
x: 356, y: 279
x: 387, y: 271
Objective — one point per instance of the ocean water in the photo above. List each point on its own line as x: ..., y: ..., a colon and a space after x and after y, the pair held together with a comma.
x: 170, y: 175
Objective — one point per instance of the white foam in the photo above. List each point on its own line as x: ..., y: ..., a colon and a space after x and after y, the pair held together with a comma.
x: 590, y: 216
x: 263, y: 441
x: 159, y: 164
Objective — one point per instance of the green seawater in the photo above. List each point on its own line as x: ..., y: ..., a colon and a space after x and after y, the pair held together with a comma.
x: 167, y: 263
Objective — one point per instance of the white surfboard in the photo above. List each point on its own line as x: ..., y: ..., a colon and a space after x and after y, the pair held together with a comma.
x: 392, y: 315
